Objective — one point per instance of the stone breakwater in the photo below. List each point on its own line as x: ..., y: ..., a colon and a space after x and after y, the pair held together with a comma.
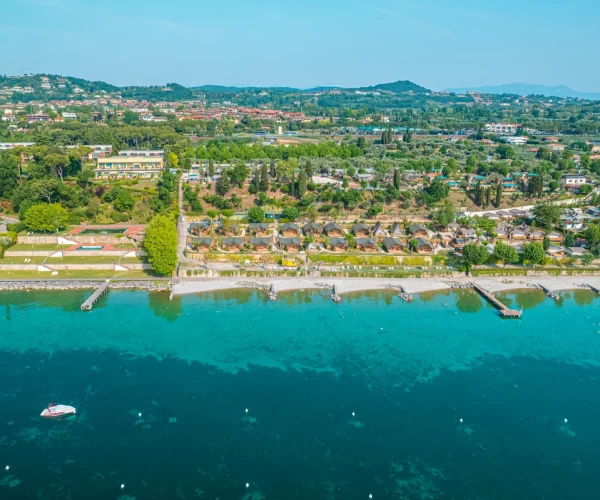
x: 83, y: 285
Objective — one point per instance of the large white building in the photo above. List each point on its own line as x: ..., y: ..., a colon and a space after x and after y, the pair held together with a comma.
x: 129, y: 167
x: 502, y: 128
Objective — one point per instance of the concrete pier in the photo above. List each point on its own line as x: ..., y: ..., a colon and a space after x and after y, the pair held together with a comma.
x: 92, y: 299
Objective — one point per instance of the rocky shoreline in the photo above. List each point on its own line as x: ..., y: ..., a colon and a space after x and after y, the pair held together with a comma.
x: 82, y: 285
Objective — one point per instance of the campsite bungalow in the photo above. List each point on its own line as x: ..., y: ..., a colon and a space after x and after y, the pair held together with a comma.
x: 397, y: 229
x: 260, y: 244
x: 289, y: 244
x: 378, y: 230
x: 338, y: 244
x: 200, y: 228
x: 312, y: 229
x: 418, y: 230
x: 424, y: 246
x: 201, y: 244
x: 361, y: 230
x: 232, y: 244
x: 555, y: 237
x: 392, y: 245
x: 290, y: 230
x: 259, y: 229
x: 366, y: 244
x: 333, y: 229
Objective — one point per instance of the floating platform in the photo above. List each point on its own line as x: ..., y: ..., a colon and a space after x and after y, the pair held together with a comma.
x: 92, y: 299
x: 505, y: 312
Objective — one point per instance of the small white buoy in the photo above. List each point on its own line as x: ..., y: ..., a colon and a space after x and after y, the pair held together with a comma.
x: 353, y: 414
x: 122, y: 486
x: 566, y: 420
x: 461, y: 420
x: 139, y: 414
x: 247, y: 485
x: 7, y: 467
x: 370, y: 496
x: 246, y: 410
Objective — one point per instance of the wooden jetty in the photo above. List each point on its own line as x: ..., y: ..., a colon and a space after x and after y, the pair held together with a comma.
x: 92, y: 299
x: 505, y: 312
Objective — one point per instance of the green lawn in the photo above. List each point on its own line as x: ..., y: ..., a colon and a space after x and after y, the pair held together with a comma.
x: 36, y: 248
x: 23, y: 275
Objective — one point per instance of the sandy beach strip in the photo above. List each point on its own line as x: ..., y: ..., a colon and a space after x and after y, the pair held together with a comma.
x: 410, y: 285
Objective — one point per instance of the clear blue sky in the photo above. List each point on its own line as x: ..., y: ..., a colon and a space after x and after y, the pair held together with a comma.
x: 304, y: 43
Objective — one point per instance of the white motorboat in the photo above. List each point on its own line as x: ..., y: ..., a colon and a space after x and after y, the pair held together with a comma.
x: 58, y: 411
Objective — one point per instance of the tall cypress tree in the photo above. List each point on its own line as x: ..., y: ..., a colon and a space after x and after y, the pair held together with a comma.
x: 211, y: 168
x: 256, y: 181
x: 273, y: 170
x: 397, y: 178
x: 498, y: 195
x: 488, y: 196
x: 292, y: 188
x: 478, y: 194
x: 302, y: 183
x: 264, y: 179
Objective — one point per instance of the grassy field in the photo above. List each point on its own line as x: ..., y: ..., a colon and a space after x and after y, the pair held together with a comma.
x: 23, y: 275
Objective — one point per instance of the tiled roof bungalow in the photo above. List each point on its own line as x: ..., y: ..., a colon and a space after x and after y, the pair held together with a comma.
x: 290, y: 230
x: 338, y: 244
x: 361, y: 230
x: 260, y: 244
x: 201, y: 244
x: 333, y: 229
x: 232, y: 244
x: 366, y: 244
x: 289, y: 244
x: 392, y: 245
x: 259, y: 228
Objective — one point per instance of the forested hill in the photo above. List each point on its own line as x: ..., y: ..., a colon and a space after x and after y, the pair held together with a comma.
x: 398, y: 87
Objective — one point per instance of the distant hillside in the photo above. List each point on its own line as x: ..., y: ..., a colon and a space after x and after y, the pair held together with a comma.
x: 530, y: 89
x: 398, y: 87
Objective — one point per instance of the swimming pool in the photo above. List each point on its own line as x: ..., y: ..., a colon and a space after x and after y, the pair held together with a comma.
x: 108, y: 230
x: 89, y: 247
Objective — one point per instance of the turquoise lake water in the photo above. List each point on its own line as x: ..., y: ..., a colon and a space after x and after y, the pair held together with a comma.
x: 343, y: 401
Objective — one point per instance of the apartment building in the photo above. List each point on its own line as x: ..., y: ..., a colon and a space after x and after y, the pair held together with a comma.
x: 129, y: 167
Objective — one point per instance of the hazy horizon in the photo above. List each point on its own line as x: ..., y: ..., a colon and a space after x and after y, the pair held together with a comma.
x: 306, y: 45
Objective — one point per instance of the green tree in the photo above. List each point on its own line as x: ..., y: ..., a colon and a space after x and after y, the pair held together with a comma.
x: 289, y: 213
x: 211, y: 168
x: 264, y: 179
x: 546, y: 243
x: 44, y: 218
x: 445, y: 214
x: 488, y: 196
x: 592, y: 235
x: 397, y: 178
x: 474, y: 255
x: 569, y: 239
x: 223, y: 184
x: 498, y: 200
x: 535, y: 186
x: 505, y: 253
x: 505, y: 152
x: 256, y: 214
x: 533, y: 253
x: 239, y: 173
x: 545, y: 215
x: 124, y: 201
x: 435, y: 192
x: 160, y: 244
x: 9, y: 173
x: 302, y: 183
x: 478, y: 195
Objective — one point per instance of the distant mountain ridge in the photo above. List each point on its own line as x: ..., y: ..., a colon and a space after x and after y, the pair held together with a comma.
x: 529, y: 89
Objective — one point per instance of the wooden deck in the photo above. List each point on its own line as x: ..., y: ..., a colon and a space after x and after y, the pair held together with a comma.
x: 505, y: 312
x: 92, y: 299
